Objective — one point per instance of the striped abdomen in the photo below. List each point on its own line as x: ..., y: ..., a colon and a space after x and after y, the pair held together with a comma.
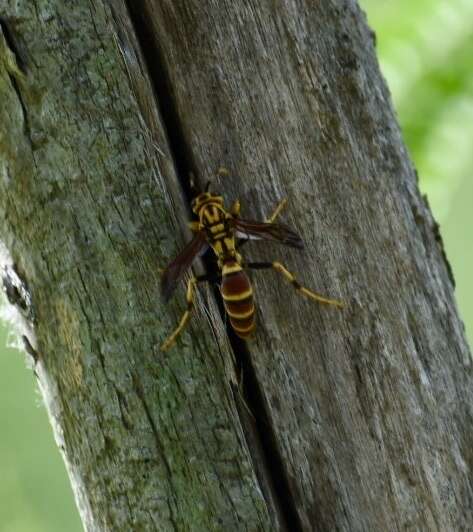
x: 238, y: 299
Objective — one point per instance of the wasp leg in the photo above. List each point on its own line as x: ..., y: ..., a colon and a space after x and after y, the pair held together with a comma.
x: 235, y: 208
x: 190, y: 294
x: 288, y: 275
x: 223, y: 172
x: 279, y: 207
x: 194, y: 226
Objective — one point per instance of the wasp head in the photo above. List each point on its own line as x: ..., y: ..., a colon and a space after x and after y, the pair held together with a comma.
x: 205, y: 198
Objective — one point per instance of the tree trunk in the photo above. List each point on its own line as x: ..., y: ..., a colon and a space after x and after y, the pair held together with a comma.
x: 359, y: 419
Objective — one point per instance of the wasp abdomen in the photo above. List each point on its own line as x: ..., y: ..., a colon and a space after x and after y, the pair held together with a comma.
x: 237, y: 296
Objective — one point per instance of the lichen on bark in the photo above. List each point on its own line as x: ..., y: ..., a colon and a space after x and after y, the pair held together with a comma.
x: 150, y: 441
x: 360, y: 419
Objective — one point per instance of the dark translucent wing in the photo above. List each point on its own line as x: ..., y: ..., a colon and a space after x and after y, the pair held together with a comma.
x: 174, y: 272
x: 267, y: 231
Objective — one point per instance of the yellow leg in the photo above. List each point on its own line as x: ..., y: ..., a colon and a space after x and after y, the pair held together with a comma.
x: 185, y: 317
x: 316, y: 297
x: 235, y: 208
x: 223, y: 172
x: 279, y: 207
x: 194, y: 226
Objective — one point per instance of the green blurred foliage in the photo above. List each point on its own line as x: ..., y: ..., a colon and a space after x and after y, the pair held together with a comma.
x: 35, y: 495
x: 425, y: 49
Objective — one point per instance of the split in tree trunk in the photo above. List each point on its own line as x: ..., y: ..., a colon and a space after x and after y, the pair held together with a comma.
x: 360, y: 419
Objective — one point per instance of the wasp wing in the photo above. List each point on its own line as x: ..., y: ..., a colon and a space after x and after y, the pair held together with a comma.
x: 174, y: 272
x: 248, y: 229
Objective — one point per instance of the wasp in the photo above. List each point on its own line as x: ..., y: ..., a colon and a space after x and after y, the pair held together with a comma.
x: 225, y: 232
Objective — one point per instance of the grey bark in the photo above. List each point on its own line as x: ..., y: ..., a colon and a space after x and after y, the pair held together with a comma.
x: 361, y: 419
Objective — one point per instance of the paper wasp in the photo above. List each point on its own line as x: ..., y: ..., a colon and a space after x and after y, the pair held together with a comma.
x: 224, y: 231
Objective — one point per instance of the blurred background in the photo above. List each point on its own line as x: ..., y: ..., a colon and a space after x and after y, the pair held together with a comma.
x: 425, y: 48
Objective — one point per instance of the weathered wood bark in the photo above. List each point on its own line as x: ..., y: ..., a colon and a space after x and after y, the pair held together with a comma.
x: 362, y: 418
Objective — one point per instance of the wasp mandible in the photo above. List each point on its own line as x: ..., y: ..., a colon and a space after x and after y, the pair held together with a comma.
x: 225, y: 232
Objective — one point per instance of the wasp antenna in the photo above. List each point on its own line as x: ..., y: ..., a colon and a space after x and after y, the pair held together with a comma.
x: 207, y: 186
x: 223, y: 172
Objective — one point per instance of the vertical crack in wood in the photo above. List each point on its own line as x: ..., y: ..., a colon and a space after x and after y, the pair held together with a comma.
x: 262, y: 428
x: 16, y: 71
x: 12, y: 43
x: 179, y: 149
x: 254, y: 397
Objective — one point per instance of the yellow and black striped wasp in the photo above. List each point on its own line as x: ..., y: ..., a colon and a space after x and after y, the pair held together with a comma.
x: 224, y: 231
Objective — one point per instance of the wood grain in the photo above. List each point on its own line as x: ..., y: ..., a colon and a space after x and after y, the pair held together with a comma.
x: 361, y: 418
